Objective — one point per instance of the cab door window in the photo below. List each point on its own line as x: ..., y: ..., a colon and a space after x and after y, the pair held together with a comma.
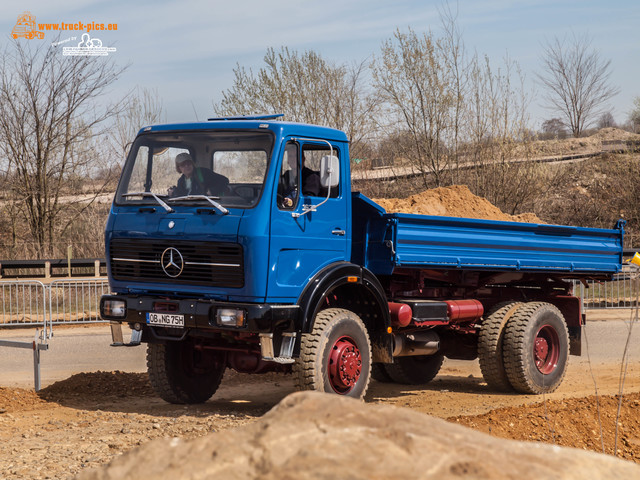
x: 288, y: 184
x: 310, y: 175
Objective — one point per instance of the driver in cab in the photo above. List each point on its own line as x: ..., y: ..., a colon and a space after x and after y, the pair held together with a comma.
x: 197, y: 180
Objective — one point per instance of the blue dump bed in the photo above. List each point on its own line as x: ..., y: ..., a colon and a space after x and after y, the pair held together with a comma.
x: 384, y: 241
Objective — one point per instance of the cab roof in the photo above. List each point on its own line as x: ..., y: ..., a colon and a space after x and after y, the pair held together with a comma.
x: 254, y: 122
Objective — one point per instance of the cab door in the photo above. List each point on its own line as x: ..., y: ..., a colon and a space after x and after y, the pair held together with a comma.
x: 304, y: 243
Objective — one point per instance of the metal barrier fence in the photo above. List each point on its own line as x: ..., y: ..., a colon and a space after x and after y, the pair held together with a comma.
x: 24, y: 303
x: 623, y: 291
x: 34, y: 303
x: 76, y: 301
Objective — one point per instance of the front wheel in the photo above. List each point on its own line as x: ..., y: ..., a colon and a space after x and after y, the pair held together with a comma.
x: 181, y: 373
x: 336, y: 356
x: 536, y: 348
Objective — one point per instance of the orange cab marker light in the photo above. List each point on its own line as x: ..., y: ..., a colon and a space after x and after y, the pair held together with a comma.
x: 352, y: 279
x: 389, y: 330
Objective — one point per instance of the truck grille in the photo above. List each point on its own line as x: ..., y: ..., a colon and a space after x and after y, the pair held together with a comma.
x: 213, y: 264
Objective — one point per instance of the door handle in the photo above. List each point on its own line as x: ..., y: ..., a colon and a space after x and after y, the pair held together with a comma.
x: 337, y: 231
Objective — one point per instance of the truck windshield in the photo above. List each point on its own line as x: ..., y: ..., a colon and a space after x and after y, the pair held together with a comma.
x: 227, y: 166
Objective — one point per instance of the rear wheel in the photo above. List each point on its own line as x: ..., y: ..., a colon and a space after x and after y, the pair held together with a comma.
x: 379, y: 373
x: 536, y: 348
x: 181, y: 373
x: 490, y: 341
x: 414, y: 370
x: 336, y: 356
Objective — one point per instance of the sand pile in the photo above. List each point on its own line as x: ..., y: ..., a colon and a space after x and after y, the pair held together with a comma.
x: 16, y: 399
x: 453, y: 201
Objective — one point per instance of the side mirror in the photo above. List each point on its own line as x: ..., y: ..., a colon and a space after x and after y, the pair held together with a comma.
x: 329, y: 171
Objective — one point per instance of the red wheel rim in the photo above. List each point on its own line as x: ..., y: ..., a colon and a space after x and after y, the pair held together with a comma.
x: 345, y: 365
x: 546, y: 349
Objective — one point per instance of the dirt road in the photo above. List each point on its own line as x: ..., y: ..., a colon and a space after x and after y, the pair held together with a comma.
x: 84, y: 419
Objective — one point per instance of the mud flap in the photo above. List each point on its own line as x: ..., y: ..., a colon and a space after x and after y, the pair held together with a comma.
x: 575, y: 340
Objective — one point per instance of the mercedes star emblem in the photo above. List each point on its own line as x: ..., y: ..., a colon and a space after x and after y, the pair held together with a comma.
x: 172, y: 262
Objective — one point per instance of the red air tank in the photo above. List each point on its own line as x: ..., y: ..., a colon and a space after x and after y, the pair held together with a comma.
x: 401, y: 314
x: 464, y: 310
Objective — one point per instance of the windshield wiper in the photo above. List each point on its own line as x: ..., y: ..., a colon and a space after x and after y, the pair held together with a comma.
x: 211, y: 200
x: 149, y: 194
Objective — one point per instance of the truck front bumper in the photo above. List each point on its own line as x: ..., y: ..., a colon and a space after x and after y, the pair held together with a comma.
x: 201, y: 315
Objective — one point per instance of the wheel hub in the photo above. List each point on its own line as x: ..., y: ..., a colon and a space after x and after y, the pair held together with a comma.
x: 345, y: 365
x: 542, y: 348
x: 546, y: 350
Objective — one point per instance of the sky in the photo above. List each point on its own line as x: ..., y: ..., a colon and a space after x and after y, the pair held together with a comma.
x: 187, y: 50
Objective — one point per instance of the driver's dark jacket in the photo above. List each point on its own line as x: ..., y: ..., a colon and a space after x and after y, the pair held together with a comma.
x: 203, y: 182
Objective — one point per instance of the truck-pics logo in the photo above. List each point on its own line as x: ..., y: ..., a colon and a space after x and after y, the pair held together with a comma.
x: 26, y: 27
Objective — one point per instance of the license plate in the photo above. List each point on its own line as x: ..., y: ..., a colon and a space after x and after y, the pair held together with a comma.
x: 165, y: 320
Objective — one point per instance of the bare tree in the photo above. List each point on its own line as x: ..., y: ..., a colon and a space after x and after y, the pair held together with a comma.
x: 49, y: 119
x: 306, y: 88
x: 458, y: 66
x: 576, y: 80
x: 606, y: 120
x: 553, y: 128
x: 634, y: 115
x: 447, y: 110
x: 143, y: 107
x: 413, y: 78
x: 497, y: 134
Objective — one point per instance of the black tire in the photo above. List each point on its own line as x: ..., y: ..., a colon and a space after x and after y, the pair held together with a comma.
x: 415, y: 369
x: 180, y: 373
x: 536, y: 348
x: 490, y: 345
x: 336, y: 356
x: 379, y: 373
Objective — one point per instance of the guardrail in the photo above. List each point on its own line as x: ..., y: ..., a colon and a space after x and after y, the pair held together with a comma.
x: 59, y: 267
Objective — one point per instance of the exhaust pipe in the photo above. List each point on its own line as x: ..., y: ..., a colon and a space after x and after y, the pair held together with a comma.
x: 420, y: 343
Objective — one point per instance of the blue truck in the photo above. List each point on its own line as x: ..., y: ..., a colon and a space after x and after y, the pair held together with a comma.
x: 238, y: 243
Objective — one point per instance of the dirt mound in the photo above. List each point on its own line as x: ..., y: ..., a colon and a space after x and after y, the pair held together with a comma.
x: 18, y: 399
x: 453, y: 201
x: 99, y: 385
x: 570, y: 422
x: 318, y: 435
x: 612, y: 133
x: 591, y: 144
